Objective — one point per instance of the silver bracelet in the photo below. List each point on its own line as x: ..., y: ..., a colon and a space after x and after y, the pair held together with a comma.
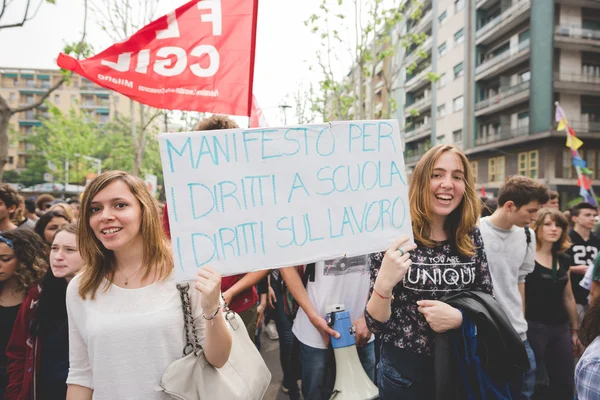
x: 213, y: 316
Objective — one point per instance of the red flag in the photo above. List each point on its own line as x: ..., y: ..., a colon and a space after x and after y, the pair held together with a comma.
x: 571, y: 131
x: 483, y: 193
x: 257, y: 118
x: 199, y: 57
x: 584, y: 182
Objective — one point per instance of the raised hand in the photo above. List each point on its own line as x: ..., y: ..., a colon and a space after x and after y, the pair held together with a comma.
x: 208, y: 283
x: 394, y: 266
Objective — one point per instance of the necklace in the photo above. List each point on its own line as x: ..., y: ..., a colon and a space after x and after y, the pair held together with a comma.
x: 127, y: 277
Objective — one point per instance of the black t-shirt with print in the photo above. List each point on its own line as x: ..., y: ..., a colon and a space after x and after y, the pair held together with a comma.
x: 582, y: 252
x: 434, y: 273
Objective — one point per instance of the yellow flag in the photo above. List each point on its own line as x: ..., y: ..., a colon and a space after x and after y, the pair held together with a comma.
x: 561, y: 125
x: 573, y: 142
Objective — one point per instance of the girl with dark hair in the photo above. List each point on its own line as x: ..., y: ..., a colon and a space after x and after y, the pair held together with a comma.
x: 404, y: 307
x: 49, y: 223
x: 22, y: 265
x: 38, y: 350
x: 587, y: 372
x: 550, y: 308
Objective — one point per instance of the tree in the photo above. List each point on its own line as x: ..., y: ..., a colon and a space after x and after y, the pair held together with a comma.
x: 302, y: 104
x: 6, y: 112
x: 119, y: 19
x: 367, y: 42
x: 29, y: 13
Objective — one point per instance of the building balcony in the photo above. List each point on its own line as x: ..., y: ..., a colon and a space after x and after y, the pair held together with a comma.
x: 420, y: 132
x: 415, y: 55
x: 583, y: 126
x: 503, y: 61
x: 419, y: 80
x: 505, y: 98
x: 420, y: 105
x: 577, y: 83
x: 504, y: 133
x: 424, y: 24
x: 505, y: 22
x: 93, y: 106
x: 577, y: 38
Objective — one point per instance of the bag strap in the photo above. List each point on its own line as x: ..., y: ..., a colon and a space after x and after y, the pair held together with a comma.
x: 309, y: 274
x: 188, y: 321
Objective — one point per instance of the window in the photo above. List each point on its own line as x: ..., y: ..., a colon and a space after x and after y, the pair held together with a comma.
x: 496, y: 169
x: 442, y: 49
x: 528, y: 164
x: 56, y: 98
x: 475, y: 169
x: 73, y: 99
x: 568, y: 171
x: 458, y: 103
x: 457, y: 136
x: 524, y: 76
x: 523, y: 36
x: 442, y: 17
x: 11, y: 160
x: 523, y: 120
x: 459, y: 5
x: 30, y: 83
x: 11, y: 97
x: 103, y: 118
x: 441, y: 139
x: 443, y: 80
x: 459, y: 36
x: 441, y: 111
x: 458, y: 70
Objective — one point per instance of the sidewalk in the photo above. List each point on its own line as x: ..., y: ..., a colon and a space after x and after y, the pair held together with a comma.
x: 270, y: 352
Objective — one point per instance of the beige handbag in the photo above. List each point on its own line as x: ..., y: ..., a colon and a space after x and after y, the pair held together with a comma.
x: 244, y: 376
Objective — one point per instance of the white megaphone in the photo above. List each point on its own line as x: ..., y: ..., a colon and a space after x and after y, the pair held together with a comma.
x: 351, y: 381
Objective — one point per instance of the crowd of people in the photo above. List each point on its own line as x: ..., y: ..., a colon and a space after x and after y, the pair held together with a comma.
x: 501, y: 295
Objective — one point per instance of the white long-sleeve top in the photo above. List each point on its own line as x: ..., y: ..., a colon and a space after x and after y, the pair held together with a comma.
x: 121, y: 342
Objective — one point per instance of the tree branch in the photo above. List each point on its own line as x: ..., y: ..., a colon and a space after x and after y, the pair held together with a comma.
x: 15, y: 25
x: 41, y: 99
x: 152, y: 118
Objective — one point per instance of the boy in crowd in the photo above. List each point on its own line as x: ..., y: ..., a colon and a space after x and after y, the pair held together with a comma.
x: 344, y: 281
x: 584, y: 248
x: 9, y: 201
x: 43, y: 204
x: 510, y: 247
x: 553, y: 200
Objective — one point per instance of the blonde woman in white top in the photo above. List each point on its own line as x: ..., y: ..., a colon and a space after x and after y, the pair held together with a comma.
x: 125, y: 314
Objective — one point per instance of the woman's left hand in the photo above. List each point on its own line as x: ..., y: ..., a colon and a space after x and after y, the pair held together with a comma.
x: 440, y: 316
x: 208, y: 283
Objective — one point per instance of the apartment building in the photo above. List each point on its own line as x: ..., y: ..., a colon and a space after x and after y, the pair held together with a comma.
x: 501, y: 66
x: 20, y: 87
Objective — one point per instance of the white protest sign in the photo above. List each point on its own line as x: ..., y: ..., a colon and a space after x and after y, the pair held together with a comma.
x: 241, y: 200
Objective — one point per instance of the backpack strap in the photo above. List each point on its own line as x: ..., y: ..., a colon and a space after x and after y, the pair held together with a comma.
x: 309, y: 274
x: 528, y: 234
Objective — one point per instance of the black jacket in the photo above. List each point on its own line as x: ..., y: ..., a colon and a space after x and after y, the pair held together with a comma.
x: 499, y: 346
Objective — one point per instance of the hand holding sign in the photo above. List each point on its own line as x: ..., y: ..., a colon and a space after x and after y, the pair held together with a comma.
x: 208, y: 283
x: 394, y: 266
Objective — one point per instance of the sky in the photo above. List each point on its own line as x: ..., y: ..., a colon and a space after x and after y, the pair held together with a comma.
x: 284, y: 48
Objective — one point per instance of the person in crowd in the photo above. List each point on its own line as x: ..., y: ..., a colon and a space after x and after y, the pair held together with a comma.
x: 19, y: 218
x: 23, y: 262
x: 38, y: 350
x: 63, y: 207
x: 43, y: 203
x: 286, y: 308
x: 404, y: 306
x: 550, y: 310
x: 340, y: 281
x: 510, y: 247
x: 124, y: 309
x: 584, y: 248
x: 239, y: 291
x: 49, y: 223
x: 587, y: 372
x: 29, y: 210
x: 9, y: 200
x: 74, y: 203
x: 262, y: 289
x: 489, y: 206
x: 553, y: 200
x: 594, y: 278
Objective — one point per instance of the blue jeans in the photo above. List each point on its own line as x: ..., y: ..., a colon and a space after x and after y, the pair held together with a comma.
x: 318, y: 369
x: 524, y: 390
x: 289, y: 348
x: 402, y: 374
